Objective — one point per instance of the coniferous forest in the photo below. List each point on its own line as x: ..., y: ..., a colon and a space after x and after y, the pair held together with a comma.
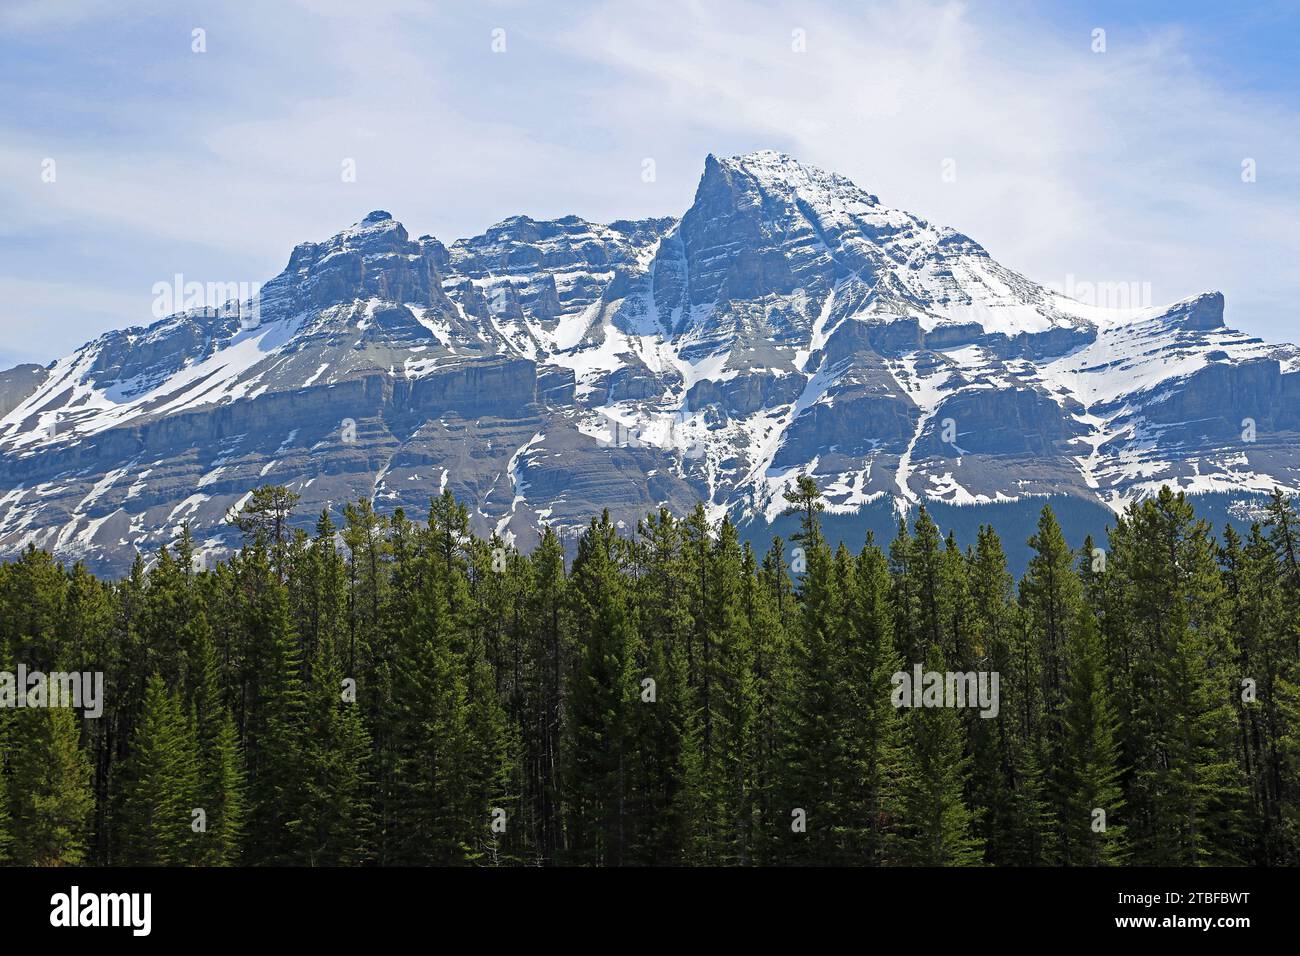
x: 391, y: 692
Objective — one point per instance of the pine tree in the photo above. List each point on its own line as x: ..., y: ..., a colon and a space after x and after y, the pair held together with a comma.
x: 1093, y: 800
x: 33, y: 592
x: 549, y: 652
x: 6, y: 759
x: 804, y: 501
x: 492, y: 786
x: 664, y: 728
x: 1005, y: 784
x: 221, y: 780
x: 1185, y: 792
x: 724, y: 776
x: 161, y: 788
x: 166, y: 619
x: 90, y: 645
x: 263, y: 520
x: 1051, y: 595
x: 814, y: 755
x: 1264, y: 667
x: 364, y: 536
x: 1287, y: 831
x: 872, y: 727
x: 274, y: 716
x: 6, y: 821
x: 425, y: 811
x: 221, y: 789
x: 767, y: 592
x: 49, y: 789
x: 926, y: 569
x: 938, y: 829
x: 907, y: 602
x: 319, y: 594
x: 1283, y: 526
x: 1275, y: 664
x: 336, y: 816
x: 958, y: 620
x: 605, y: 689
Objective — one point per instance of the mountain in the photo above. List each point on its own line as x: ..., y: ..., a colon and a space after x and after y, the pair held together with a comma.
x: 787, y: 323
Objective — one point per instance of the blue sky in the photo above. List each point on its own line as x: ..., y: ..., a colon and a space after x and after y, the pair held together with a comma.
x: 1072, y: 165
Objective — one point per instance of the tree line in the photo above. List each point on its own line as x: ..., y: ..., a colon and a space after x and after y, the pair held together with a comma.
x: 389, y: 692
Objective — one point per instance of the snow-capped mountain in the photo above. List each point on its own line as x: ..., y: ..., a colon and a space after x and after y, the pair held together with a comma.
x: 787, y: 323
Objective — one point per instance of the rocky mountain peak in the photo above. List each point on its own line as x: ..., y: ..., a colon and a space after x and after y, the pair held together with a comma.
x: 1202, y: 312
x: 780, y: 172
x: 788, y: 323
x: 372, y: 258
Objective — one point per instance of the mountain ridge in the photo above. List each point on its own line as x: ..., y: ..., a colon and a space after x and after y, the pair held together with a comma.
x: 787, y: 323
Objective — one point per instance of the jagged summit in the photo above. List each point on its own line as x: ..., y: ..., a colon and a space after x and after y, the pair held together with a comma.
x: 786, y: 323
x: 778, y: 169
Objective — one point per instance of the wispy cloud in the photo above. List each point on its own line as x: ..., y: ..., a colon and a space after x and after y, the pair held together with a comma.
x: 1123, y: 165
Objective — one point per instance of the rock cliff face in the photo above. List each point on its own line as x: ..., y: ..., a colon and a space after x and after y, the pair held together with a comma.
x: 17, y: 383
x: 787, y: 323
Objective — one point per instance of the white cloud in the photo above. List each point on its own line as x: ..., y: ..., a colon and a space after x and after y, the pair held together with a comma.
x: 1122, y: 166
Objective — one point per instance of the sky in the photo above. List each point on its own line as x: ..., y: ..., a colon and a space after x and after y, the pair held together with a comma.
x: 128, y: 155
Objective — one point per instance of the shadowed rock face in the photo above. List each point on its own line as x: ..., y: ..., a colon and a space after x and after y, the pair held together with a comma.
x: 746, y: 393
x: 1011, y: 422
x: 17, y: 383
x: 733, y: 251
x: 543, y: 371
x: 1204, y: 312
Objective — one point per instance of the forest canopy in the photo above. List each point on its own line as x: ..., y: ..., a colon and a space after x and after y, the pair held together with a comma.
x: 386, y: 692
